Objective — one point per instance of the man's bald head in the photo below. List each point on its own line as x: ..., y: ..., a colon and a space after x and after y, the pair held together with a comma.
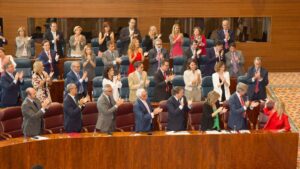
x: 31, y: 93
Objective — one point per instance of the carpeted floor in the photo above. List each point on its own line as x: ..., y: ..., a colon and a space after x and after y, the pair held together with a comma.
x: 286, y: 86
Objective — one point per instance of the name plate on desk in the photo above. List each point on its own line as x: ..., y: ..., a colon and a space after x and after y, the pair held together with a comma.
x: 177, y: 133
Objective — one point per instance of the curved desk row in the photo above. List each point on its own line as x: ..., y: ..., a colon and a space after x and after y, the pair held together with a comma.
x: 126, y: 150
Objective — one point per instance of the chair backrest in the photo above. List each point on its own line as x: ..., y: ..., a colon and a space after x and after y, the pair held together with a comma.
x: 242, y: 79
x: 186, y: 42
x: 90, y: 116
x: 178, y: 64
x: 124, y: 66
x: 151, y: 88
x: 210, y: 43
x: 11, y: 119
x: 163, y: 116
x: 25, y: 65
x: 99, y: 67
x: 95, y: 46
x: 207, y: 85
x: 124, y: 92
x: 178, y: 81
x: 54, y: 117
x: 97, y: 87
x: 195, y: 115
x: 27, y: 83
x: 125, y: 117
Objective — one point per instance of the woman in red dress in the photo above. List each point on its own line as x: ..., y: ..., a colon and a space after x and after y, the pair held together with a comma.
x: 278, y: 120
x: 198, y: 36
x: 135, y: 53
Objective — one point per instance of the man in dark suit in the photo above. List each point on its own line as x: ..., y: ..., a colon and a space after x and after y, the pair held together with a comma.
x: 10, y: 82
x: 239, y: 103
x: 257, y: 80
x: 107, y: 108
x: 79, y: 78
x: 33, y: 111
x: 72, y: 109
x: 126, y: 35
x: 226, y: 36
x: 49, y: 59
x: 178, y: 107
x: 213, y: 55
x: 156, y: 55
x: 192, y: 53
x: 163, y: 82
x: 55, y: 38
x: 143, y: 111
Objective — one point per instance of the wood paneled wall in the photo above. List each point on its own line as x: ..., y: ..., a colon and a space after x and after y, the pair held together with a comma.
x: 282, y: 53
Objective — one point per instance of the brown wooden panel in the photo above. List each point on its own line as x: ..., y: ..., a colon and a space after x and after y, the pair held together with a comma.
x: 260, y: 149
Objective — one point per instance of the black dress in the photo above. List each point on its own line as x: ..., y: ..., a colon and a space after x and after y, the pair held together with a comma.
x: 103, y: 46
x: 223, y: 97
x: 147, y: 43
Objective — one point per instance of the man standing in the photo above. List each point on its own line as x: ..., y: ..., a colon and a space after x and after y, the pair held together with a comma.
x: 55, y: 38
x: 107, y: 108
x: 33, y: 111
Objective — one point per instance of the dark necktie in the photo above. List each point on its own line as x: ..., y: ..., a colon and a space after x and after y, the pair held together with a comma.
x: 36, y: 106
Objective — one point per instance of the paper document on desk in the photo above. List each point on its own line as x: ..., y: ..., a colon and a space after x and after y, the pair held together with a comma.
x: 217, y: 132
x: 40, y: 138
x: 244, y: 131
x: 177, y: 133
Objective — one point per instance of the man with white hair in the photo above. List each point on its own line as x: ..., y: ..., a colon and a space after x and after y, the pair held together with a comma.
x: 143, y: 111
x: 226, y: 35
x: 239, y: 103
x: 79, y: 78
x: 33, y: 111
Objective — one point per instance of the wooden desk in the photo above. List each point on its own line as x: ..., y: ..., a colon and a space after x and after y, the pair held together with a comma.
x: 257, y: 150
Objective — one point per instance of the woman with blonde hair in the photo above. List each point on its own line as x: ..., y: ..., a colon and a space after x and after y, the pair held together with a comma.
x: 278, y: 120
x: 23, y: 44
x: 77, y: 42
x: 211, y: 111
x: 41, y: 81
x: 135, y: 53
x: 89, y: 62
x: 176, y: 40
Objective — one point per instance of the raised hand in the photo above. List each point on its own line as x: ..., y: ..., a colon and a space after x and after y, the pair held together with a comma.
x: 157, y: 110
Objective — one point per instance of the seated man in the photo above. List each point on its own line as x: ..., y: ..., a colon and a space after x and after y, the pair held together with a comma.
x: 111, y: 56
x: 163, y: 82
x: 156, y: 56
x: 73, y: 109
x: 107, y: 108
x: 257, y: 80
x: 33, y: 111
x: 178, y: 107
x: 10, y: 82
x: 239, y: 104
x: 144, y: 112
x: 79, y: 78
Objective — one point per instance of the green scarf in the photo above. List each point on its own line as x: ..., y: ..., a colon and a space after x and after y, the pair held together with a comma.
x: 216, y: 122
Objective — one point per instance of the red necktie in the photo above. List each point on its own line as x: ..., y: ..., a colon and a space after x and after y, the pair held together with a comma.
x: 256, y: 90
x: 167, y: 86
x: 243, y: 104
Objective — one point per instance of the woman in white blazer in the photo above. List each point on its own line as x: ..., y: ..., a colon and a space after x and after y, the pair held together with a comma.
x: 115, y: 81
x: 192, y: 80
x: 221, y: 81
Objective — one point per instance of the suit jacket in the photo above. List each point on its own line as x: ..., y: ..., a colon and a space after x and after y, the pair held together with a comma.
x: 59, y: 44
x: 229, y: 65
x: 221, y: 36
x: 125, y: 39
x: 177, y: 118
x: 153, y: 63
x: 211, y: 62
x: 162, y: 90
x: 72, y: 115
x: 143, y: 118
x: 236, y: 115
x: 108, y: 57
x: 32, y: 118
x: 72, y: 78
x: 10, y: 91
x: 261, y: 84
x: 47, y: 66
x: 133, y: 80
x: 106, y: 116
